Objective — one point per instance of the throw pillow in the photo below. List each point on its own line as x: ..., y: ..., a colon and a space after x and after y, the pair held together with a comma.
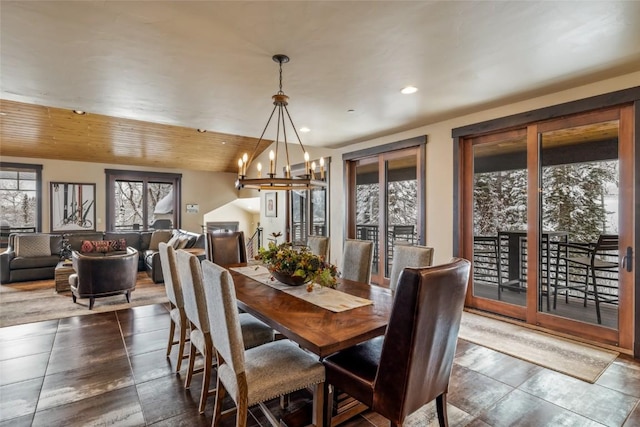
x: 159, y: 236
x: 103, y: 246
x: 174, y: 241
x: 31, y: 246
x: 182, y: 242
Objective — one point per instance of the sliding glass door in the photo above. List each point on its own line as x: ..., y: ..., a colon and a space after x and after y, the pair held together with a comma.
x: 547, y: 226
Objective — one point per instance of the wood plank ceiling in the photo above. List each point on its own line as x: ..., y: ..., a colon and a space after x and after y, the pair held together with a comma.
x: 28, y: 130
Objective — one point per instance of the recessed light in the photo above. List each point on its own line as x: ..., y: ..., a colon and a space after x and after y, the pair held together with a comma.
x: 80, y: 112
x: 223, y: 142
x: 202, y: 130
x: 409, y: 90
x: 305, y: 129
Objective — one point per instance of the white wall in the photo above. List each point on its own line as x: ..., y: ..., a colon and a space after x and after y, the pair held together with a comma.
x: 247, y: 222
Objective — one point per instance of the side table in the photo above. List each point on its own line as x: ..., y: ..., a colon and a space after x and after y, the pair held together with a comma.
x: 63, y: 270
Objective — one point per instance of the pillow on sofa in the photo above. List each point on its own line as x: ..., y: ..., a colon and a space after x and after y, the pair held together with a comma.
x: 103, y: 246
x: 159, y: 236
x: 174, y: 241
x: 182, y: 242
x: 33, y: 246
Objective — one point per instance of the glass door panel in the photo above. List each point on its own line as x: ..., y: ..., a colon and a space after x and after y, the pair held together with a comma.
x: 129, y: 209
x: 500, y: 218
x: 402, y: 205
x: 579, y: 198
x: 367, y: 206
x: 298, y: 217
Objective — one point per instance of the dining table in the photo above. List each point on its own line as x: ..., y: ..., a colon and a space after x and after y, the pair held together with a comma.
x: 315, y: 328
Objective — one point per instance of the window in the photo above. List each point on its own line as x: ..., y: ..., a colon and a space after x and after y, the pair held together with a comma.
x: 21, y: 196
x: 308, y: 210
x: 142, y: 200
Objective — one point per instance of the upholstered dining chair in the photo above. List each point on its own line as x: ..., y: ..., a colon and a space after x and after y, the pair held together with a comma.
x: 357, y: 260
x: 225, y: 248
x: 408, y: 256
x: 253, y: 331
x: 176, y: 302
x: 410, y: 366
x: 319, y: 245
x: 258, y: 374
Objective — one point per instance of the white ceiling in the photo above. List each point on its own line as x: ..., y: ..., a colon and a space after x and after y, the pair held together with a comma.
x: 206, y: 64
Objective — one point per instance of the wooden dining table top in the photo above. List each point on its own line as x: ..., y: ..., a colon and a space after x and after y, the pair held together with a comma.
x: 314, y: 328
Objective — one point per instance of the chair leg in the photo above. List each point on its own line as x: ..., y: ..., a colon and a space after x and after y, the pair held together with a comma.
x: 217, y: 411
x: 172, y: 331
x: 192, y: 362
x: 183, y: 339
x: 206, y: 379
x: 91, y: 301
x: 127, y: 295
x: 74, y: 298
x: 595, y: 296
x: 318, y: 405
x: 241, y: 413
x: 441, y: 407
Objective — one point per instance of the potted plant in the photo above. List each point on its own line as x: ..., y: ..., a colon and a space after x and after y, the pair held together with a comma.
x: 297, y: 266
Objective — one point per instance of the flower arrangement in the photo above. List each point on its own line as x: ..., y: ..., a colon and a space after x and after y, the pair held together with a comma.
x: 285, y: 260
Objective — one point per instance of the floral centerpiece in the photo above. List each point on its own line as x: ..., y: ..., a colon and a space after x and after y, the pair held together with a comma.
x: 297, y: 266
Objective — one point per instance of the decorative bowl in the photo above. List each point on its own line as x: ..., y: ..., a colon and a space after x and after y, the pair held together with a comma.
x: 288, y: 279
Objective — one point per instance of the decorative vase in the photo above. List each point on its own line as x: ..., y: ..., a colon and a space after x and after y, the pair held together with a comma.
x: 288, y: 279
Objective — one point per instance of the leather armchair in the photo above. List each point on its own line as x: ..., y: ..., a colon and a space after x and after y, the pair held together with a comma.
x: 103, y: 275
x: 226, y: 248
x: 410, y: 366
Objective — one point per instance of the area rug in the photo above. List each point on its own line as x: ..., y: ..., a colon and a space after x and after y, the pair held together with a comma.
x: 569, y: 357
x: 26, y: 302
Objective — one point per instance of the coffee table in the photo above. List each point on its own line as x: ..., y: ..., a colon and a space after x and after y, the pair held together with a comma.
x: 63, y: 270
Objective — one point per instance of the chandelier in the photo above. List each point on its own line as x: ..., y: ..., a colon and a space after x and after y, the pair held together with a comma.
x: 308, y: 180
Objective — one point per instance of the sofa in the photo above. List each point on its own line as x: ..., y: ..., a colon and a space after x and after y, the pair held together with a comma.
x: 34, y: 256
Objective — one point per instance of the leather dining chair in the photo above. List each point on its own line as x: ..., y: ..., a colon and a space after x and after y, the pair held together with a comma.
x: 319, y: 245
x: 408, y: 256
x: 357, y: 260
x: 253, y: 376
x: 411, y: 364
x: 176, y: 302
x: 254, y: 331
x: 226, y: 248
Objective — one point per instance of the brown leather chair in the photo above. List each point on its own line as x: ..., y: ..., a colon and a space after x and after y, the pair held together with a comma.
x: 103, y: 275
x: 225, y: 248
x: 410, y: 366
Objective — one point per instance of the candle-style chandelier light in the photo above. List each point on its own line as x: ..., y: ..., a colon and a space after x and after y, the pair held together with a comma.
x: 309, y: 179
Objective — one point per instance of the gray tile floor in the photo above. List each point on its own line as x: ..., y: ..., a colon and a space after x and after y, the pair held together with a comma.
x: 111, y: 369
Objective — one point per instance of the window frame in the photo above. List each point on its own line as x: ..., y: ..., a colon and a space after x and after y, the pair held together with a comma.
x: 28, y: 167
x: 113, y: 175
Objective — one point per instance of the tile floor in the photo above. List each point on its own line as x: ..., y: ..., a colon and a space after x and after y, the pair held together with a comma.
x: 111, y: 369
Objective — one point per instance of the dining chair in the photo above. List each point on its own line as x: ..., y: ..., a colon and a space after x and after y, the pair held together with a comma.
x: 176, y: 302
x: 319, y: 245
x: 253, y: 331
x: 225, y: 248
x: 592, y: 257
x: 357, y: 260
x: 408, y: 256
x: 410, y: 365
x: 253, y: 376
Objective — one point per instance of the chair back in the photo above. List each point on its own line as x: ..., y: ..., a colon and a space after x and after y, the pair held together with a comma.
x: 357, y: 260
x: 420, y: 342
x: 222, y: 305
x: 190, y: 272
x: 226, y: 248
x: 605, y: 246
x: 319, y: 245
x: 170, y: 274
x: 408, y: 256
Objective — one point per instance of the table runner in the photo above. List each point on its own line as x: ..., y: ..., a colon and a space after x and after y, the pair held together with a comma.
x: 327, y: 298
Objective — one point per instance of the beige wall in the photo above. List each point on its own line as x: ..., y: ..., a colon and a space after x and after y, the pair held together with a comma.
x: 247, y: 221
x: 439, y: 168
x: 197, y: 187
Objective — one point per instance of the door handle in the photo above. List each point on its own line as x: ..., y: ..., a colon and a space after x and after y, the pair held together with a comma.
x: 627, y: 259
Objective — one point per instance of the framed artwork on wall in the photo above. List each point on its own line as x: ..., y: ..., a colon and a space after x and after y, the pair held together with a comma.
x: 73, y: 207
x: 271, y: 204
